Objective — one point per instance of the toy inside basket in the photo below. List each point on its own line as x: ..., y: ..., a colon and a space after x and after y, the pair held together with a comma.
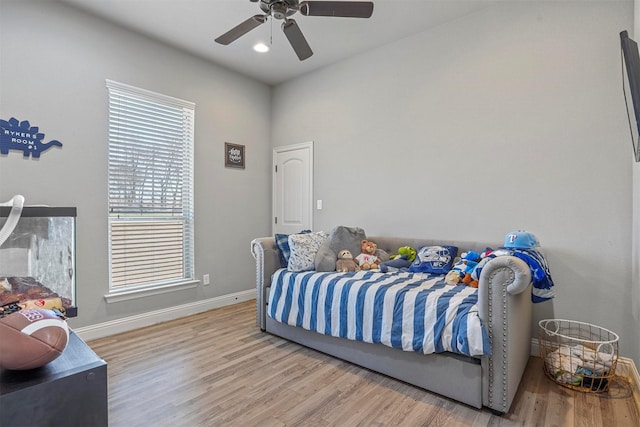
x: 578, y: 355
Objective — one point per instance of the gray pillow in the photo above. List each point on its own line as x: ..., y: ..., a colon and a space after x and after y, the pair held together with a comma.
x: 340, y: 238
x: 382, y: 254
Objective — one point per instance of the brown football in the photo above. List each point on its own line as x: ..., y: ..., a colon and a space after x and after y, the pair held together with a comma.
x: 31, y: 338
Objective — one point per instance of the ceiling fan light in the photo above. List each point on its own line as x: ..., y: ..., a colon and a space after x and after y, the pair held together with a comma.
x: 261, y: 47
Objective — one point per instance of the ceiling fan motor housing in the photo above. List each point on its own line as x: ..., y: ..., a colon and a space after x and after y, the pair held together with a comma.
x: 279, y: 9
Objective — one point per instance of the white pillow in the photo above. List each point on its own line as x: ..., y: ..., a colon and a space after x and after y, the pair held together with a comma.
x: 303, y: 250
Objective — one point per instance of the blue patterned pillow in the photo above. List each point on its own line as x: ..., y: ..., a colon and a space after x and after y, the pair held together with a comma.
x: 284, y: 252
x: 434, y: 259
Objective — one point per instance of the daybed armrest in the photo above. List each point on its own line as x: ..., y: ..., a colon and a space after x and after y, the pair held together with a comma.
x: 504, y: 305
x: 518, y: 273
x: 265, y: 252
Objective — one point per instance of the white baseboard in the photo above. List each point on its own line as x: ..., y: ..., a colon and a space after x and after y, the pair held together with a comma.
x: 125, y: 324
x: 627, y: 368
x: 535, y: 347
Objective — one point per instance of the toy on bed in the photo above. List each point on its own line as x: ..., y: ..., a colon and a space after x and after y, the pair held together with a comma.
x: 345, y: 262
x: 485, y: 257
x: 462, y: 271
x: 368, y: 260
x: 401, y: 260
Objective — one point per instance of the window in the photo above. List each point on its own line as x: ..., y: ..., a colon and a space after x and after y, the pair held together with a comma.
x: 150, y: 188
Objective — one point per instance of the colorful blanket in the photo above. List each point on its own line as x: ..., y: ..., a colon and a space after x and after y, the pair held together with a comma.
x: 408, y: 311
x: 540, y: 275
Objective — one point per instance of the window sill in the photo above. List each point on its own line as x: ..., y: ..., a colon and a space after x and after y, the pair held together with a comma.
x: 126, y: 295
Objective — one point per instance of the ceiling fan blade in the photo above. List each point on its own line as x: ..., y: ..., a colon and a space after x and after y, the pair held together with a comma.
x: 241, y: 29
x: 296, y: 38
x: 345, y: 9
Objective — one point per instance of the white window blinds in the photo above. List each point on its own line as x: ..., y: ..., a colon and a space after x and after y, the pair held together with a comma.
x: 150, y: 187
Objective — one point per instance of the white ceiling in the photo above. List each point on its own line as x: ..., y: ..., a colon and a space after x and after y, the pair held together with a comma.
x: 193, y: 25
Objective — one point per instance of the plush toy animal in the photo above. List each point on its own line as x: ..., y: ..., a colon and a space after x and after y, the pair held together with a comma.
x: 453, y: 276
x: 367, y: 259
x: 485, y: 257
x: 345, y: 261
x: 463, y: 269
x: 470, y: 259
x: 403, y: 259
x: 406, y: 251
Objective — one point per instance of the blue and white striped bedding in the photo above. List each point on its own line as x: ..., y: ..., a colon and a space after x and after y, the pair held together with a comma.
x: 409, y: 311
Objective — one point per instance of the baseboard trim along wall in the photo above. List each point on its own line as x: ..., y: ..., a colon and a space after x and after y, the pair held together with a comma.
x: 626, y: 368
x: 126, y: 324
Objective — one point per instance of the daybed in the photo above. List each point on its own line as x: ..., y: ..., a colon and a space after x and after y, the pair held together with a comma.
x: 503, y: 305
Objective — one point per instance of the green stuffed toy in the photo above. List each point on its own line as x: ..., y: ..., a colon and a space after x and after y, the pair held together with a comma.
x: 403, y: 259
x: 408, y: 251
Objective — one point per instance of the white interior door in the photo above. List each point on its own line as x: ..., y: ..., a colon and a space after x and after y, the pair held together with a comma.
x: 293, y: 188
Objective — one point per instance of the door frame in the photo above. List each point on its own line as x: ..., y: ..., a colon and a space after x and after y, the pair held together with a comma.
x: 303, y: 145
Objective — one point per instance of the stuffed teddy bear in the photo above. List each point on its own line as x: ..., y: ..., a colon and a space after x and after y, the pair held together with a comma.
x: 367, y: 259
x: 345, y: 262
x: 403, y: 259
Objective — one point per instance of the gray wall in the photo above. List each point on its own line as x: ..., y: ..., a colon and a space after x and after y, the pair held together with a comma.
x: 510, y: 118
x: 54, y: 63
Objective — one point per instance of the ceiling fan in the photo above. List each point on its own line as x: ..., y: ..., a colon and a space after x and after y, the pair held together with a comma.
x: 283, y: 9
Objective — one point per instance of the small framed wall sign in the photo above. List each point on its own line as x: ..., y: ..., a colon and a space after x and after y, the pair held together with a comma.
x: 233, y: 155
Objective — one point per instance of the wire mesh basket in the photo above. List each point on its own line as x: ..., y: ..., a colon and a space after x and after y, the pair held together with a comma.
x: 578, y: 355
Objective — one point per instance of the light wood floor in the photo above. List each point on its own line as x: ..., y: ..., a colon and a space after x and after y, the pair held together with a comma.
x: 218, y: 369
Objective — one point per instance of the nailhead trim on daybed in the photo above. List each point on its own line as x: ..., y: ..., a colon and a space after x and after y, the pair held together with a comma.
x: 504, y: 339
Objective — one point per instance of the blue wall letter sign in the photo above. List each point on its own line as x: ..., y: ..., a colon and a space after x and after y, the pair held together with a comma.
x: 21, y: 136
